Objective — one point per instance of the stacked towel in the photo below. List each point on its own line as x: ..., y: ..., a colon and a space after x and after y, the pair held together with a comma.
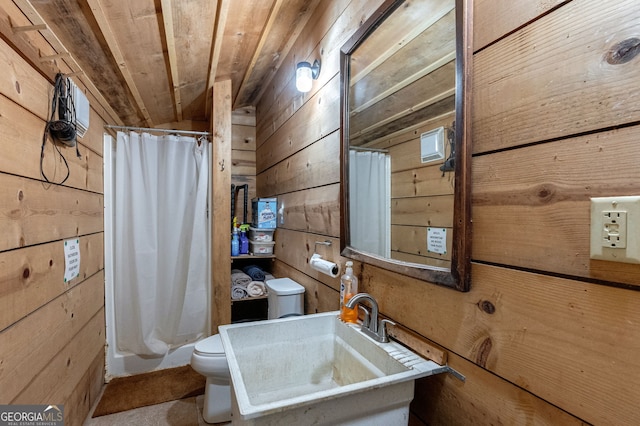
x: 254, y: 272
x: 249, y: 282
x: 238, y: 292
x: 239, y: 283
x: 240, y: 278
x: 256, y: 289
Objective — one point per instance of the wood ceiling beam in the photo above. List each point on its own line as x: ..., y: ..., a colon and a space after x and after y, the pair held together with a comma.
x: 451, y: 56
x: 412, y: 34
x: 29, y: 28
x: 101, y: 19
x: 167, y: 19
x: 256, y: 53
x: 385, y: 141
x: 407, y: 111
x: 34, y: 17
x: 221, y: 12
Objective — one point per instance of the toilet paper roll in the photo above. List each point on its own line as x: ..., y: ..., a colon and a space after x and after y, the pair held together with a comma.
x: 324, y: 266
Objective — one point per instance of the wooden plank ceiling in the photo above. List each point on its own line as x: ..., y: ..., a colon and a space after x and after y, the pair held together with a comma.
x: 154, y: 61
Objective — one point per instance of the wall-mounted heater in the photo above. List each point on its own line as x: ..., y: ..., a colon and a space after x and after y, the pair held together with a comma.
x: 432, y: 145
x: 81, y: 104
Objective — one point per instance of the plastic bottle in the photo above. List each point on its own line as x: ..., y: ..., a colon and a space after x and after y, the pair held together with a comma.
x: 244, y: 240
x: 235, y: 243
x: 348, y: 289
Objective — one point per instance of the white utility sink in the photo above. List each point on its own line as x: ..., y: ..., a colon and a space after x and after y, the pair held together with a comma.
x: 314, y: 369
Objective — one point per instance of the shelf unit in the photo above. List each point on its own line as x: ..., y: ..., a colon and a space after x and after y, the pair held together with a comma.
x: 253, y: 256
x: 250, y: 308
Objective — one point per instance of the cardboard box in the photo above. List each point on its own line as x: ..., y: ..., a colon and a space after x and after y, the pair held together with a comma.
x: 264, y: 212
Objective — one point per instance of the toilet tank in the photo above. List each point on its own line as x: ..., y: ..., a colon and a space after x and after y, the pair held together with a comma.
x: 285, y: 298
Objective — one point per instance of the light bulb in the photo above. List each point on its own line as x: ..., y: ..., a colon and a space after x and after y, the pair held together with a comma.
x: 304, y: 77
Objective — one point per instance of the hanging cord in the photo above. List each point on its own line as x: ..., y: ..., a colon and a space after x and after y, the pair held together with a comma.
x: 62, y: 131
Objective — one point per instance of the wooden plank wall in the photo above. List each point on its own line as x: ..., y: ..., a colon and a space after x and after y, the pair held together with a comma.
x: 555, y: 121
x: 298, y: 151
x: 421, y: 196
x: 52, y: 333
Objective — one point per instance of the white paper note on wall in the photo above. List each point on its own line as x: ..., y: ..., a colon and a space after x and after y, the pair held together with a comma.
x: 71, y: 259
x: 437, y: 240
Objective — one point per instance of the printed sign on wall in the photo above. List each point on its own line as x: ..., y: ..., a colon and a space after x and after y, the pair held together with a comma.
x: 71, y: 259
x: 437, y: 240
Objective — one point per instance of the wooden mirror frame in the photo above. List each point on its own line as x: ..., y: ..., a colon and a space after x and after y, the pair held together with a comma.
x: 459, y: 276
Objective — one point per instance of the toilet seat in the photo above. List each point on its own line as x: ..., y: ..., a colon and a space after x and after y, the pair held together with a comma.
x: 208, y: 358
x: 210, y: 347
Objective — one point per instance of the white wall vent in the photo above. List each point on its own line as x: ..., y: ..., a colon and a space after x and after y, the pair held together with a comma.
x: 432, y: 145
x: 81, y: 104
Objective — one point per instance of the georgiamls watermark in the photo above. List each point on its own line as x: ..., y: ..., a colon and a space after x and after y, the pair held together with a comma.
x: 31, y: 415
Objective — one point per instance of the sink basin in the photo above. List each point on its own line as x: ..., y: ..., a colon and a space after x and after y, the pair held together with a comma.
x: 315, y: 369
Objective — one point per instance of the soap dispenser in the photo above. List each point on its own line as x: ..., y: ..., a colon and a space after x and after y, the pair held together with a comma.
x: 348, y: 289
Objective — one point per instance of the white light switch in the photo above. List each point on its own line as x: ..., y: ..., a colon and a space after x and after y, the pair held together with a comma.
x: 615, y: 229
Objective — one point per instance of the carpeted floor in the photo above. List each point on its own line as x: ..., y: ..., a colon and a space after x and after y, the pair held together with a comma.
x: 126, y: 393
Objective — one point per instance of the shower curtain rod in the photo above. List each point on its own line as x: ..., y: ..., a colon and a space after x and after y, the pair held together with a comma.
x: 361, y: 148
x: 149, y: 129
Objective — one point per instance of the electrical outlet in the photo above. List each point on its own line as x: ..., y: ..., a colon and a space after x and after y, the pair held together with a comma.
x: 615, y: 229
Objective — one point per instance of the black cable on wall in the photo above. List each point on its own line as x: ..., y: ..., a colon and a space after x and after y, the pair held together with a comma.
x: 63, y: 130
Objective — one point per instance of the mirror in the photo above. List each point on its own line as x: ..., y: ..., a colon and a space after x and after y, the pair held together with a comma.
x: 405, y: 177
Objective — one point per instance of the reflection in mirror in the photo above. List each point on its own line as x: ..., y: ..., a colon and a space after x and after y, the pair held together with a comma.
x: 405, y: 153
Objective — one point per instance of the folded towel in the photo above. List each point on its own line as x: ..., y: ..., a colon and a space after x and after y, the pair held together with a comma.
x: 239, y: 278
x: 268, y: 277
x: 238, y: 292
x: 254, y: 272
x: 256, y: 289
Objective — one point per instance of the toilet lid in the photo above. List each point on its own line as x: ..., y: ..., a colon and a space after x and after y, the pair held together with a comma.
x: 284, y: 287
x: 210, y: 346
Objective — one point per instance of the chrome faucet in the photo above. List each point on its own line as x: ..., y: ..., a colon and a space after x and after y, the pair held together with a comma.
x: 371, y: 326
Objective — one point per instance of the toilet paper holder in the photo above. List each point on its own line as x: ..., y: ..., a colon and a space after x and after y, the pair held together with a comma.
x: 324, y: 243
x: 321, y: 265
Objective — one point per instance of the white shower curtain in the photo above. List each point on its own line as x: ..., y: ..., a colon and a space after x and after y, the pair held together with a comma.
x: 161, y: 242
x: 370, y: 201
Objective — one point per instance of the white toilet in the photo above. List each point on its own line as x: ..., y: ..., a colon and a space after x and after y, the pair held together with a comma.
x: 285, y: 298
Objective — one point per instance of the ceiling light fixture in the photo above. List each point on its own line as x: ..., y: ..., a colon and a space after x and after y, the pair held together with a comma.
x: 305, y: 74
